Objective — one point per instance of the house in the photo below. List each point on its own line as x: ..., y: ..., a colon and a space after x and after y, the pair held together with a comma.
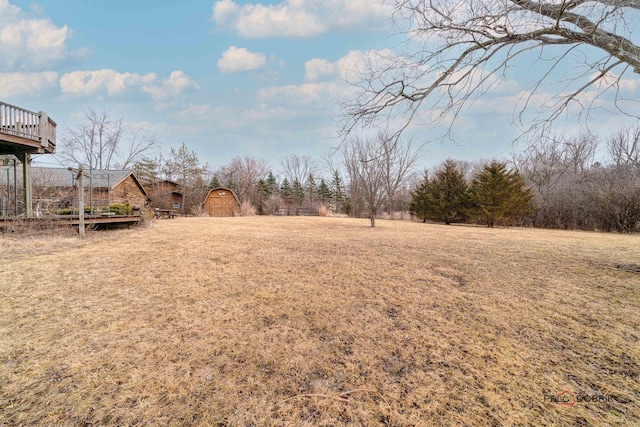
x: 165, y: 194
x: 221, y: 201
x: 102, y: 189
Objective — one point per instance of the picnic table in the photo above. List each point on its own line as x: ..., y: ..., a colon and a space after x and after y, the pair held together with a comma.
x: 164, y: 213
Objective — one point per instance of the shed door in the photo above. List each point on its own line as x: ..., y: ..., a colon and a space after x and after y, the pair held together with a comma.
x: 221, y: 203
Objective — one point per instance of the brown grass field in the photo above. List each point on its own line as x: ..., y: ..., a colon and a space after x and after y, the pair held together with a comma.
x: 283, y: 321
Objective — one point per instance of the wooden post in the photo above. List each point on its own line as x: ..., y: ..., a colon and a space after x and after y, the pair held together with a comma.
x: 25, y: 158
x: 44, y: 122
x: 80, y: 179
x: 81, y: 201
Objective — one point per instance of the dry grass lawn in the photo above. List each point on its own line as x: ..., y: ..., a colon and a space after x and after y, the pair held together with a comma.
x: 282, y: 321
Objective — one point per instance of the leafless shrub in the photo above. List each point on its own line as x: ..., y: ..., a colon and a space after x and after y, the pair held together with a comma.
x: 247, y: 209
x: 198, y: 210
x: 272, y: 204
x: 36, y: 227
x: 624, y: 147
x: 322, y: 210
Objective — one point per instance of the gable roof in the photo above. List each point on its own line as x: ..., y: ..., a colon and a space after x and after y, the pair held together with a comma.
x: 58, y: 177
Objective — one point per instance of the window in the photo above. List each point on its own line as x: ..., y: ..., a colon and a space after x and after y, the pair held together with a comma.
x: 176, y: 205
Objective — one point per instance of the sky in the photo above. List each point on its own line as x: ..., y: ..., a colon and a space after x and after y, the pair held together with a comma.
x: 227, y: 77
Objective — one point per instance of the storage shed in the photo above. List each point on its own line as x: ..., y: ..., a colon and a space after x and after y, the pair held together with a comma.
x: 221, y: 202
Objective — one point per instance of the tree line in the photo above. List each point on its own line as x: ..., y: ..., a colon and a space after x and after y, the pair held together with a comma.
x: 555, y: 183
x: 495, y: 195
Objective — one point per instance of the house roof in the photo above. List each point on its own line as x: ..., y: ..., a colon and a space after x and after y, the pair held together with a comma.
x: 58, y: 177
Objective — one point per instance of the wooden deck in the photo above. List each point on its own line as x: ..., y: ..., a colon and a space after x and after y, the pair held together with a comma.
x: 90, y: 221
x: 24, y: 131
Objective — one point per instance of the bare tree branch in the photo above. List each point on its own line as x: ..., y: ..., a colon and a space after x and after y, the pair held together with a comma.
x: 457, y: 51
x: 98, y: 141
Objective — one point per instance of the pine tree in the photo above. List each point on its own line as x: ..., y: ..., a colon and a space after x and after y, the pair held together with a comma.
x: 419, y: 206
x: 184, y: 167
x: 447, y: 196
x: 324, y: 192
x: 297, y: 193
x: 311, y: 188
x: 499, y: 195
x: 215, y: 182
x: 147, y: 170
x: 286, y: 191
x: 262, y: 193
x: 272, y: 183
x: 337, y: 188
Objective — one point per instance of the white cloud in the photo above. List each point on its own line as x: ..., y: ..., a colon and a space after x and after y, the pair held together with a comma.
x: 84, y: 83
x: 29, y: 84
x: 196, y: 111
x: 177, y: 83
x: 111, y: 82
x: 319, y: 94
x: 300, y: 18
x: 240, y: 59
x: 316, y: 69
x: 28, y: 42
x: 345, y: 68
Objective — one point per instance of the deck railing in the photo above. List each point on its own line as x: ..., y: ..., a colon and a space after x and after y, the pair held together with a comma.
x: 28, y: 125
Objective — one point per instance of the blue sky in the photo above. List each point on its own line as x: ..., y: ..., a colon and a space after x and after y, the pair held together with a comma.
x: 228, y: 77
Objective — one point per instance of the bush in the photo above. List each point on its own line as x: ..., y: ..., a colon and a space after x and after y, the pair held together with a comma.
x: 73, y: 211
x: 121, y: 209
x: 272, y: 204
x: 247, y: 209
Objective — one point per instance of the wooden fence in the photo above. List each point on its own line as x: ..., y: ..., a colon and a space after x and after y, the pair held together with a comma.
x: 297, y: 212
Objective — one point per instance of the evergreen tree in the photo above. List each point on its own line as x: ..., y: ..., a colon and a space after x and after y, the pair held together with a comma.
x: 297, y: 192
x: 447, y: 196
x: 147, y: 170
x: 183, y: 166
x: 286, y: 191
x: 215, y: 182
x: 262, y: 193
x: 499, y: 195
x: 324, y: 192
x: 311, y: 188
x: 272, y: 183
x: 419, y: 206
x: 337, y: 188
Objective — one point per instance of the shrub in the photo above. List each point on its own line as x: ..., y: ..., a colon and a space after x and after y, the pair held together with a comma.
x: 247, y: 209
x: 121, y: 209
x: 73, y: 211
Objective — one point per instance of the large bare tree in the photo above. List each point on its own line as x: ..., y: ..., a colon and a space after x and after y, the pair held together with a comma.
x: 458, y: 50
x: 364, y: 160
x: 298, y: 168
x: 183, y: 166
x: 242, y: 173
x: 624, y: 146
x: 397, y: 162
x: 102, y: 141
